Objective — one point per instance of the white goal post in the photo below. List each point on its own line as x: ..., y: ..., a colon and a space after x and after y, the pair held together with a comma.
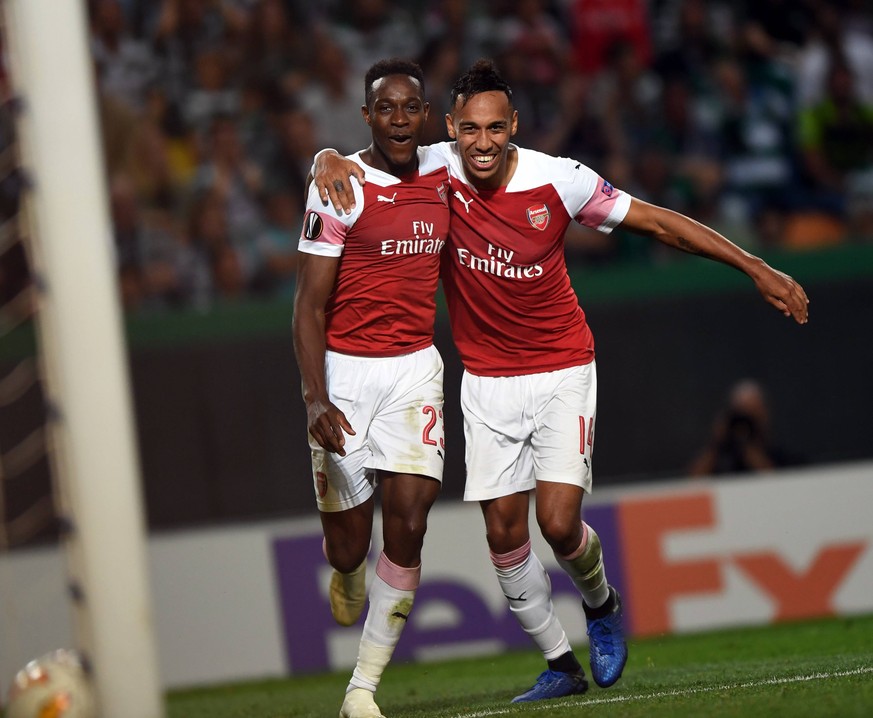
x: 82, y: 349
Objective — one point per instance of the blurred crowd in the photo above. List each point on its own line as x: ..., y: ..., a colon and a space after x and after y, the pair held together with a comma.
x: 752, y: 116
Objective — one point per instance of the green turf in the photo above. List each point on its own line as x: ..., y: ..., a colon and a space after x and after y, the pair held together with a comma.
x: 819, y: 668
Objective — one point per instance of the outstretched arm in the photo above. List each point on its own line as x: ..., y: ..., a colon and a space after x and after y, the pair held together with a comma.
x: 681, y: 232
x: 315, y: 280
x: 332, y: 175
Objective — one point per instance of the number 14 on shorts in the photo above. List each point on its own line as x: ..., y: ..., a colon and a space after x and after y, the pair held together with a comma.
x: 586, y: 438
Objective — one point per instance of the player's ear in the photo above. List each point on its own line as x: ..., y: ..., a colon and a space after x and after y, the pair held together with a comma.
x: 426, y: 110
x: 513, y: 123
x: 450, y: 126
x: 365, y: 111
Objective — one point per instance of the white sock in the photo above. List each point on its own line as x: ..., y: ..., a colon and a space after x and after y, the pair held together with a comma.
x: 585, y: 567
x: 391, y: 596
x: 526, y: 584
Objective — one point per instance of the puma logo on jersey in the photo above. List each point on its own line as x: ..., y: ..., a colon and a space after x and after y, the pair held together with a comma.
x: 466, y: 202
x: 383, y: 198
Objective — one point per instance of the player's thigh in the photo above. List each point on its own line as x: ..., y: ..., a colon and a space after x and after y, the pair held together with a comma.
x: 340, y: 482
x: 407, y: 498
x: 343, y: 482
x: 407, y: 433
x: 496, y: 432
x: 563, y: 442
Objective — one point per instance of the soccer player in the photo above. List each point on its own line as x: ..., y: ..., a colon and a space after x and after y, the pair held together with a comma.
x: 372, y: 380
x: 529, y: 388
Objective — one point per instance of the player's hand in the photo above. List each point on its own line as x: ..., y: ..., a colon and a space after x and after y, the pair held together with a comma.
x: 784, y: 293
x: 333, y: 178
x: 327, y: 424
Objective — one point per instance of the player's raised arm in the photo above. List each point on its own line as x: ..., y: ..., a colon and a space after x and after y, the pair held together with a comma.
x: 681, y: 232
x: 315, y: 280
x: 332, y: 174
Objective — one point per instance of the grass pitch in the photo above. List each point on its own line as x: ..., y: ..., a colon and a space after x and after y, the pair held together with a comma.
x: 802, y: 670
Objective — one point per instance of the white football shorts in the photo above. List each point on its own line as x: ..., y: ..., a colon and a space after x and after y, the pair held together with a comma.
x: 524, y: 429
x: 395, y: 406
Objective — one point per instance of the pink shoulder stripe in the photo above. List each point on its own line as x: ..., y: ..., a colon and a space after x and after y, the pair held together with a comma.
x: 598, y: 209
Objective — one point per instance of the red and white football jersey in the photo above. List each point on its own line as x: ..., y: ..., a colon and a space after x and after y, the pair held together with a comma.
x: 383, y: 303
x: 512, y: 308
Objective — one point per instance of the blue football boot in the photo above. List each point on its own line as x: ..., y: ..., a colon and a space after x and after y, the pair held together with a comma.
x: 607, y: 646
x: 554, y: 684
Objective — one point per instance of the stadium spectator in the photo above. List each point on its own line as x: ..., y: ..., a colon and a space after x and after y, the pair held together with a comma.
x: 775, y: 29
x: 756, y: 131
x: 276, y: 245
x: 146, y: 249
x: 118, y: 129
x: 677, y: 130
x: 212, y: 93
x: 126, y: 66
x: 160, y: 164
x: 367, y: 30
x: 181, y: 29
x: 471, y: 26
x: 534, y: 40
x: 441, y: 63
x: 691, y: 38
x: 703, y: 34
x: 625, y: 95
x: 597, y: 25
x: 372, y: 378
x: 836, y: 144
x: 529, y: 387
x: 576, y: 129
x: 741, y: 439
x: 293, y: 145
x: 209, y: 267
x: 835, y: 35
x: 278, y: 45
x: 227, y: 172
x: 333, y: 97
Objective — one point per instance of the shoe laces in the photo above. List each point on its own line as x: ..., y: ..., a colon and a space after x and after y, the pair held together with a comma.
x: 549, y: 676
x: 600, y: 632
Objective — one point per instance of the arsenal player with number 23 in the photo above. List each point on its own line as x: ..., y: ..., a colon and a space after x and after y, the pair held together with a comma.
x: 364, y: 312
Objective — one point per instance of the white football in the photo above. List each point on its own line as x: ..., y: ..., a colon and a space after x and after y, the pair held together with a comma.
x: 55, y: 685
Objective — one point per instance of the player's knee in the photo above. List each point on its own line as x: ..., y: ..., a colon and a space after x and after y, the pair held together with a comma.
x: 561, y: 534
x: 346, y: 557
x: 405, y: 530
x: 504, y: 538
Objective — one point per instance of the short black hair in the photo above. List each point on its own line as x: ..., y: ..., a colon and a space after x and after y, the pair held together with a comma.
x: 391, y: 66
x: 481, y: 77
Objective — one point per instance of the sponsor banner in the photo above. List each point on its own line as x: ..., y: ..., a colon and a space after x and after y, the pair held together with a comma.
x: 685, y: 556
x: 250, y: 601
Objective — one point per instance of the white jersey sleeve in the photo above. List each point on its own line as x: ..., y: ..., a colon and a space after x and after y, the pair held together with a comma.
x: 324, y: 230
x: 588, y: 198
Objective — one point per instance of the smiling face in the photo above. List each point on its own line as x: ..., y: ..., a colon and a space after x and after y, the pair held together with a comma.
x: 396, y: 114
x: 483, y: 127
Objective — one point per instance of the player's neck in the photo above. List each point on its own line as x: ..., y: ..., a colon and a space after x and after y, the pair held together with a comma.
x: 379, y: 161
